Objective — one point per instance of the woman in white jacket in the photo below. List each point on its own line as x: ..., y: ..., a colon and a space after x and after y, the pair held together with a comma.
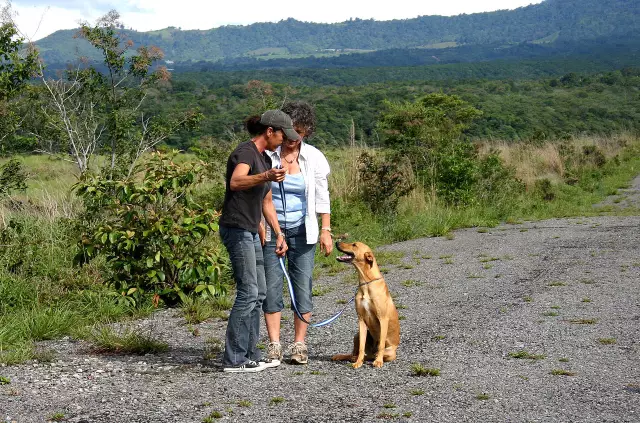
x: 307, y: 197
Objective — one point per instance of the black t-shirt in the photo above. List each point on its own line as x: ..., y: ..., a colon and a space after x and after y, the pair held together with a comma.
x: 243, y: 209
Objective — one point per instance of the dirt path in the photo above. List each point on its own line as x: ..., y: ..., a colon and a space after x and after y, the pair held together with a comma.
x: 564, y: 290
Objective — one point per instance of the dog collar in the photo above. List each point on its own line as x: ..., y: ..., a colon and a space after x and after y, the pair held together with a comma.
x: 367, y: 283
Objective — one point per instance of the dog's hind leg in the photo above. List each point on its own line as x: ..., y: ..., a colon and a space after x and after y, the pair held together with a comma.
x: 389, y: 354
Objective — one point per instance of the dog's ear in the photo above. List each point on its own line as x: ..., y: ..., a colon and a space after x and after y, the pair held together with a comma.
x: 368, y: 256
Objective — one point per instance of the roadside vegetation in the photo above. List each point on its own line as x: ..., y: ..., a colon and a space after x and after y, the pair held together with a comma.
x: 113, y: 224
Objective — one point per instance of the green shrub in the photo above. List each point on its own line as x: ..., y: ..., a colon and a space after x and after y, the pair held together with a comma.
x: 12, y: 178
x: 383, y: 182
x: 156, y: 239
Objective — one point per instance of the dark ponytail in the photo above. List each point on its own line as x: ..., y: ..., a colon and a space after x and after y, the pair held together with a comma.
x: 253, y: 126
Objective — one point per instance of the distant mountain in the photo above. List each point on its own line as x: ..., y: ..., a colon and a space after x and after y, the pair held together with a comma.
x: 548, y: 23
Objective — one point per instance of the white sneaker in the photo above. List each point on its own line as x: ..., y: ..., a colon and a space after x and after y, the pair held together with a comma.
x: 269, y: 362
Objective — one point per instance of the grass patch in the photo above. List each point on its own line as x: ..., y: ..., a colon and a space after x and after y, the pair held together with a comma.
x: 212, y: 347
x: 483, y: 397
x: 583, y: 321
x: 522, y: 354
x: 107, y: 340
x: 4, y: 380
x: 319, y: 292
x: 557, y: 283
x: 276, y: 400
x: 417, y: 392
x: 56, y: 417
x: 562, y: 372
x: 385, y: 415
x: 199, y: 309
x: 418, y: 369
x: 213, y: 415
x: 411, y: 283
x: 244, y: 403
x: 607, y: 341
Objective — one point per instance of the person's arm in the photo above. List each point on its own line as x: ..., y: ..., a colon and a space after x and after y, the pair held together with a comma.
x: 241, y: 180
x: 326, y: 242
x: 269, y: 213
x: 323, y: 203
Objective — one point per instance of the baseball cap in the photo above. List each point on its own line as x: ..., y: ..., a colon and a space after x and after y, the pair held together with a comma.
x: 277, y: 119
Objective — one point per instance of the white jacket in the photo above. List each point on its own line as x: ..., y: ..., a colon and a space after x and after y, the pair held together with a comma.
x: 315, y: 168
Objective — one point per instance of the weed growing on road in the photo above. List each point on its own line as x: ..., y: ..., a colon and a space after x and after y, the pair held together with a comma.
x: 607, y: 341
x: 417, y: 392
x: 213, y: 415
x: 319, y: 292
x: 583, y: 321
x: 419, y: 370
x: 483, y: 396
x: 57, y: 417
x: 276, y: 400
x: 212, y: 347
x: 4, y: 380
x: 411, y: 283
x: 561, y: 372
x: 522, y: 354
x: 129, y: 341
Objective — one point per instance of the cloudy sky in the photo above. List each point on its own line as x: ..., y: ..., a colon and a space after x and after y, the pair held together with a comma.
x: 39, y: 18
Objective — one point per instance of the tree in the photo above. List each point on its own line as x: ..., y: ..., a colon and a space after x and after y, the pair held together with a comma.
x: 428, y: 132
x: 18, y: 64
x: 100, y: 112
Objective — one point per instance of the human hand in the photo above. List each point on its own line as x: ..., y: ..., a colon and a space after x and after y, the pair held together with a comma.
x: 275, y: 175
x: 262, y: 233
x: 326, y: 242
x: 281, y: 247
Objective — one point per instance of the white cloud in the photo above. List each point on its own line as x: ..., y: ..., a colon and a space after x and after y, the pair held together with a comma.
x: 145, y: 15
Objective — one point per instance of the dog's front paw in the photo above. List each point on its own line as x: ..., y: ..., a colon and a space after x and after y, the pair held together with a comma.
x: 357, y: 364
x: 378, y: 363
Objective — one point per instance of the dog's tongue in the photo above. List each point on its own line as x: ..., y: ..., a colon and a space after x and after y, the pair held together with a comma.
x: 344, y: 258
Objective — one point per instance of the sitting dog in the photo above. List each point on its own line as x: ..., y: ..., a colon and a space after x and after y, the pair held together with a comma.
x: 378, y: 325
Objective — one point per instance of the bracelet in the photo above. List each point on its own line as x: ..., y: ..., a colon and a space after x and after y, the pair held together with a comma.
x: 326, y: 229
x: 280, y: 233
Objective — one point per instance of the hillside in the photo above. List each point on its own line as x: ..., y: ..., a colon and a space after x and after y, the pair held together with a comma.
x: 550, y: 22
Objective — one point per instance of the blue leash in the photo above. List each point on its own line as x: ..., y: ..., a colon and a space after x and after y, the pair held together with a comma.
x: 286, y: 274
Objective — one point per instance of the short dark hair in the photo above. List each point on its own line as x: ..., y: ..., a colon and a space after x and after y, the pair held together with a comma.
x: 302, y: 114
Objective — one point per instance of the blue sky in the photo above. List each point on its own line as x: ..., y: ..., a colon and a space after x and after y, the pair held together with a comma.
x: 39, y: 18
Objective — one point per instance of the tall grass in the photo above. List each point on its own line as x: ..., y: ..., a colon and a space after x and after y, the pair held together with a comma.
x: 422, y: 214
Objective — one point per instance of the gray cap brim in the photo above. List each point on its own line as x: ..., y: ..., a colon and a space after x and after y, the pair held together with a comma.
x: 290, y: 134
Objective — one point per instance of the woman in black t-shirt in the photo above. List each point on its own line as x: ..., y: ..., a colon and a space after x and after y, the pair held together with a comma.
x: 247, y: 198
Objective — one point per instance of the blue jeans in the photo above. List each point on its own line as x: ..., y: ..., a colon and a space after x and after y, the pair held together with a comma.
x: 300, y: 258
x: 243, y: 327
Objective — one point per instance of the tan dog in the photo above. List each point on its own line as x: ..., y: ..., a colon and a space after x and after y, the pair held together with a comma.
x: 378, y: 325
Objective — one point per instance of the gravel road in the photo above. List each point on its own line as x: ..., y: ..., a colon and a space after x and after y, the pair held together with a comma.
x: 564, y: 291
